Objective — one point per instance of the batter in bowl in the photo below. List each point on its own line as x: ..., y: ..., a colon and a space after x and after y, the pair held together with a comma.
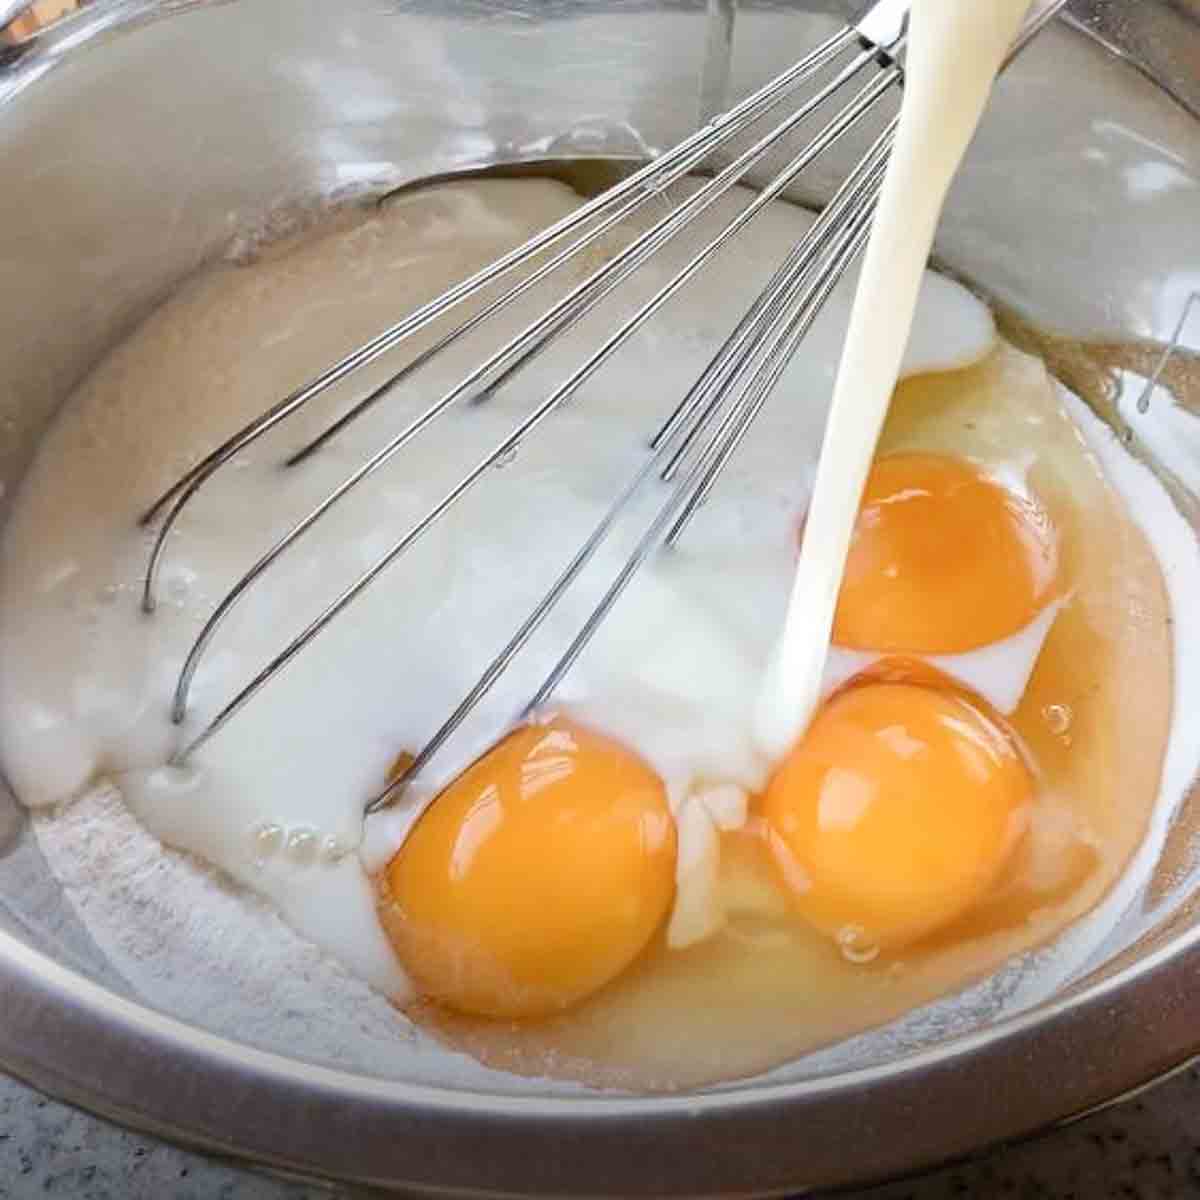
x: 734, y: 977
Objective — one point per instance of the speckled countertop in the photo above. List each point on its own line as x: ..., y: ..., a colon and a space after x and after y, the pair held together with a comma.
x: 1145, y: 1149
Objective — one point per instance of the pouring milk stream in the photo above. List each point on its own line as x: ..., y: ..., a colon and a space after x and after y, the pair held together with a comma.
x: 955, y: 50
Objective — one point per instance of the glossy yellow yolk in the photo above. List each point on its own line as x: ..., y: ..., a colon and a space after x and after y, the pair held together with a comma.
x: 536, y: 877
x: 895, y: 812
x: 943, y: 559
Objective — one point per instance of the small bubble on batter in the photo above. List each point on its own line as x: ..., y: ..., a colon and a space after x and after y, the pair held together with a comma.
x: 266, y: 841
x: 856, y: 945
x: 301, y: 846
x: 1058, y: 718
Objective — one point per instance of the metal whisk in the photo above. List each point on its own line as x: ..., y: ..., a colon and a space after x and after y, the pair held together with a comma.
x: 692, y: 447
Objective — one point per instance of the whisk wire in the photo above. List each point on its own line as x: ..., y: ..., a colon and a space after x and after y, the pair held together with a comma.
x: 649, y: 177
x: 714, y: 385
x: 696, y: 441
x: 728, y: 357
x: 721, y: 444
x: 567, y: 310
x: 783, y: 345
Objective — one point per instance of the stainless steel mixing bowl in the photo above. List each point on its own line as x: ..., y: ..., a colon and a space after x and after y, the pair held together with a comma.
x: 139, y: 137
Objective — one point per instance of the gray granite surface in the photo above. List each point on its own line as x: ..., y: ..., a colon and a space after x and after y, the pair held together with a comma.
x: 1145, y: 1149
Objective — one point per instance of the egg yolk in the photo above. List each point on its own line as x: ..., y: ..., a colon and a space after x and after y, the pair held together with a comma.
x: 895, y: 813
x: 943, y: 559
x: 536, y: 877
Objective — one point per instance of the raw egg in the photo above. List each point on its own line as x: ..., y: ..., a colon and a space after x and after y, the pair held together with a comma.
x: 536, y: 877
x: 944, y: 559
x: 895, y: 813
